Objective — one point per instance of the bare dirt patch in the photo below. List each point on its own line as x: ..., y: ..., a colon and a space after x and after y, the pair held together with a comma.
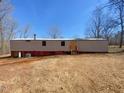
x: 86, y: 73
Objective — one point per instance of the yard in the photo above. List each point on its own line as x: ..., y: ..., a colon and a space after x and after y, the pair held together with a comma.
x: 86, y: 73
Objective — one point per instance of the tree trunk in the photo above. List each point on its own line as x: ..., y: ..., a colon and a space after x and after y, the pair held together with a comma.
x: 122, y: 27
x: 122, y: 34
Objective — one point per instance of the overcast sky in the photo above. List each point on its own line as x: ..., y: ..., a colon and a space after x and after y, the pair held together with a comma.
x: 70, y: 16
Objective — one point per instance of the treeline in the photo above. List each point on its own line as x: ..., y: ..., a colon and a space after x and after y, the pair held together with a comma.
x: 107, y: 22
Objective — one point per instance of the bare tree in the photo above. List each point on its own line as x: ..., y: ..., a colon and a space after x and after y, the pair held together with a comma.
x: 9, y: 32
x: 13, y: 31
x: 95, y: 27
x: 9, y: 28
x: 25, y: 32
x: 5, y: 8
x: 54, y: 32
x: 109, y: 26
x: 102, y: 25
x: 118, y: 6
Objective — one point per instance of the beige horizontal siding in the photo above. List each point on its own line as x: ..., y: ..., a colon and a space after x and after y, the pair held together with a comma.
x: 55, y: 45
x: 93, y: 46
x: 37, y: 46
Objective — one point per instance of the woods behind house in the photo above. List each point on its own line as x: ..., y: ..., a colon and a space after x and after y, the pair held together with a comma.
x: 107, y: 21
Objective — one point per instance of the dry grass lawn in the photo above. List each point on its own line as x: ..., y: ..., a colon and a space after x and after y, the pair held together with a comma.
x: 115, y: 49
x: 86, y: 73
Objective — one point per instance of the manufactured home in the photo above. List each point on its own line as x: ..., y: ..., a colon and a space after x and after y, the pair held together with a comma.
x: 42, y: 46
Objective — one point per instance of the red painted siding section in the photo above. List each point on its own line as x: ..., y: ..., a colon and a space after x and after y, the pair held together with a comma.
x: 37, y: 53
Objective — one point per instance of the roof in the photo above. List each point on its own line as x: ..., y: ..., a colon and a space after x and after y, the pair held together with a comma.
x: 43, y: 39
x: 59, y: 39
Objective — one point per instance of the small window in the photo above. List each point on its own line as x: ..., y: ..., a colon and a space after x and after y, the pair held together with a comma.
x: 43, y: 43
x: 63, y: 43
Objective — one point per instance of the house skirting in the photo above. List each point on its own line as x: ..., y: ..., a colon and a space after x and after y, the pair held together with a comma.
x: 37, y: 53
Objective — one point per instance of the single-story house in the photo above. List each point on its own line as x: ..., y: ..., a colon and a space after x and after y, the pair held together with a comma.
x: 46, y: 46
